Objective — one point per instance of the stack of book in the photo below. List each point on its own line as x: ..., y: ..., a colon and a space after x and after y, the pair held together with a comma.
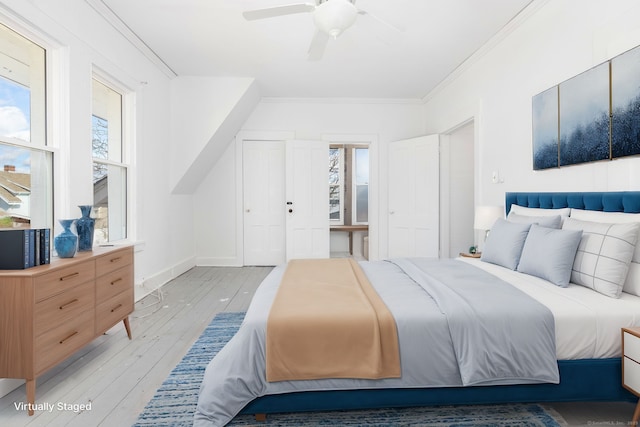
x: 24, y: 248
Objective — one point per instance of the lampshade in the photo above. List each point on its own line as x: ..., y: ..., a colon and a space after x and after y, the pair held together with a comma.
x: 486, y: 216
x: 335, y: 16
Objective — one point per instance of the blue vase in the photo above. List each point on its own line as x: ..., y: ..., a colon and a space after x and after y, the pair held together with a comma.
x: 66, y: 242
x: 85, y: 226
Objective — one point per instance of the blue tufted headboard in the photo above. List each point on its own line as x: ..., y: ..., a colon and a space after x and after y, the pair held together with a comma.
x: 613, y: 201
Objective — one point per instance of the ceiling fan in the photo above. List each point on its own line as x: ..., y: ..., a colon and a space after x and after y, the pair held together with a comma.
x: 331, y: 17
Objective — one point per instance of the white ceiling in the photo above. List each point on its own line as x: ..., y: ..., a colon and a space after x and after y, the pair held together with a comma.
x: 369, y: 60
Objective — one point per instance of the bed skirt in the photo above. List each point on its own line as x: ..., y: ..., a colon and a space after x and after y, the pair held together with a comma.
x: 580, y: 380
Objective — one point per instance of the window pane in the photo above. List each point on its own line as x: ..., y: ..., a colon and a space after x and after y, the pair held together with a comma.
x: 334, y: 165
x: 100, y: 137
x: 362, y: 203
x: 109, y: 202
x: 334, y: 202
x: 15, y: 110
x: 107, y: 122
x: 22, y: 88
x: 362, y: 166
x: 25, y: 187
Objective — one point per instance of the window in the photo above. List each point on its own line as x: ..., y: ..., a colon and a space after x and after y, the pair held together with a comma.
x: 109, y: 169
x: 335, y: 184
x: 348, y: 184
x: 361, y: 184
x: 26, y: 176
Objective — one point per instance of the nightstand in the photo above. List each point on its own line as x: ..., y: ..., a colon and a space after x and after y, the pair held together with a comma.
x: 631, y: 365
x: 468, y: 255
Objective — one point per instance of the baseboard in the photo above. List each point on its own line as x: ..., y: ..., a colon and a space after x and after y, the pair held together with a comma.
x: 7, y: 385
x: 218, y: 262
x: 150, y: 284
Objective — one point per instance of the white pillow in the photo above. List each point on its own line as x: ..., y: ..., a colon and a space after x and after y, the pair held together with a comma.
x: 544, y: 221
x: 549, y: 253
x: 632, y: 284
x: 522, y: 210
x: 604, y: 254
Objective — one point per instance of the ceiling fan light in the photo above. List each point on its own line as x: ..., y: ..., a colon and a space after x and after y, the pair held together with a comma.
x: 334, y: 16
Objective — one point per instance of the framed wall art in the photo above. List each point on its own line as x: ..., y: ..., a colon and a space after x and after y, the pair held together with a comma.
x: 625, y: 104
x: 590, y: 117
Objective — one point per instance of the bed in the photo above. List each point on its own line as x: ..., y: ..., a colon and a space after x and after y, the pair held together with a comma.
x: 587, y: 320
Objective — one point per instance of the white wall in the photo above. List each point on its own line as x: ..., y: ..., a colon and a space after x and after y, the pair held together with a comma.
x: 308, y: 119
x: 559, y: 40
x: 83, y: 41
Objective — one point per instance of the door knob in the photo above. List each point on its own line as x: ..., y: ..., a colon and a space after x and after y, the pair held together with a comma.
x: 290, y: 210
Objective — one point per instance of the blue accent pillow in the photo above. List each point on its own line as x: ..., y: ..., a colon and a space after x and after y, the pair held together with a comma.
x: 549, y: 253
x: 504, y: 243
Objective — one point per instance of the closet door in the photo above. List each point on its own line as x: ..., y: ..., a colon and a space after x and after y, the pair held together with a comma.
x: 307, y: 204
x: 263, y: 171
x: 414, y: 197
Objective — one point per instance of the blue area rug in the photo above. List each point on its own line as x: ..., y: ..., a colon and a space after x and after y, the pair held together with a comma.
x: 175, y: 401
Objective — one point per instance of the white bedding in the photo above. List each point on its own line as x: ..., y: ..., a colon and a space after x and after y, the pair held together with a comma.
x: 587, y: 322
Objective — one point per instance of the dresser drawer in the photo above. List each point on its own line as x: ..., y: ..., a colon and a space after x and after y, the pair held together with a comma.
x: 110, y: 312
x: 64, y: 307
x: 62, y: 341
x: 631, y: 346
x: 114, y: 282
x: 631, y: 377
x: 63, y: 279
x: 113, y: 261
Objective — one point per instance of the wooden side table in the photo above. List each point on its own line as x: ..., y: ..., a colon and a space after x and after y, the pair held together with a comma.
x: 468, y: 255
x: 631, y: 365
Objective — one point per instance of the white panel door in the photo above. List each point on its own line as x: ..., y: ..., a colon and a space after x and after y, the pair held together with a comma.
x: 414, y: 197
x: 263, y: 171
x: 307, y: 210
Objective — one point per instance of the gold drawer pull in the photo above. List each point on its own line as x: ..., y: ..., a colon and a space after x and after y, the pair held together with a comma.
x: 63, y: 306
x: 63, y: 340
x: 69, y: 276
x: 115, y: 259
x: 116, y: 307
x: 116, y: 281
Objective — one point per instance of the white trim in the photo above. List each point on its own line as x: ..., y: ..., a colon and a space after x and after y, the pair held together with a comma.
x: 522, y: 16
x: 121, y: 27
x: 383, y: 101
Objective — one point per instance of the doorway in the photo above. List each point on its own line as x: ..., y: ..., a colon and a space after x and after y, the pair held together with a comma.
x: 457, y: 190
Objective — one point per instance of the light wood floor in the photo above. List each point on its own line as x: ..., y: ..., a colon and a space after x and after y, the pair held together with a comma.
x: 118, y: 377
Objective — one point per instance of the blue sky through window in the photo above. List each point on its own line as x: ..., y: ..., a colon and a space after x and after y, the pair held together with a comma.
x: 15, y: 122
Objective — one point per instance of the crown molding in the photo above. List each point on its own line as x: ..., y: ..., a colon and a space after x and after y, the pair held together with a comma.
x: 120, y: 26
x: 525, y: 13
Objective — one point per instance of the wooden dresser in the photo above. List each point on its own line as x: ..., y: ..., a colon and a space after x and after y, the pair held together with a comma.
x: 49, y: 312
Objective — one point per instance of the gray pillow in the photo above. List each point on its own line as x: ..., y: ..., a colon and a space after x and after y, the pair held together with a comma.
x: 504, y: 243
x: 545, y: 221
x: 549, y: 253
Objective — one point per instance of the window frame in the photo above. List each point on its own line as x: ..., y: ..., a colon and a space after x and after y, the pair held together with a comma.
x: 340, y: 185
x: 355, y: 185
x: 127, y: 120
x: 47, y: 128
x: 350, y: 181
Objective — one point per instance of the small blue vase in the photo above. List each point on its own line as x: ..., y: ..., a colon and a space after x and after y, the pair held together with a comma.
x: 66, y: 242
x: 85, y: 226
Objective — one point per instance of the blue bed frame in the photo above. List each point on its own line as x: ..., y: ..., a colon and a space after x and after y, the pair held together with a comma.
x: 580, y: 380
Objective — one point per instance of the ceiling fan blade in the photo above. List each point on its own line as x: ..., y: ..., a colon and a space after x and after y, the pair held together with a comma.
x: 272, y: 12
x: 318, y: 45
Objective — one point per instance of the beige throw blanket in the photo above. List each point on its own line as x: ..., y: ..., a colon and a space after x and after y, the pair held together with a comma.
x: 327, y: 321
